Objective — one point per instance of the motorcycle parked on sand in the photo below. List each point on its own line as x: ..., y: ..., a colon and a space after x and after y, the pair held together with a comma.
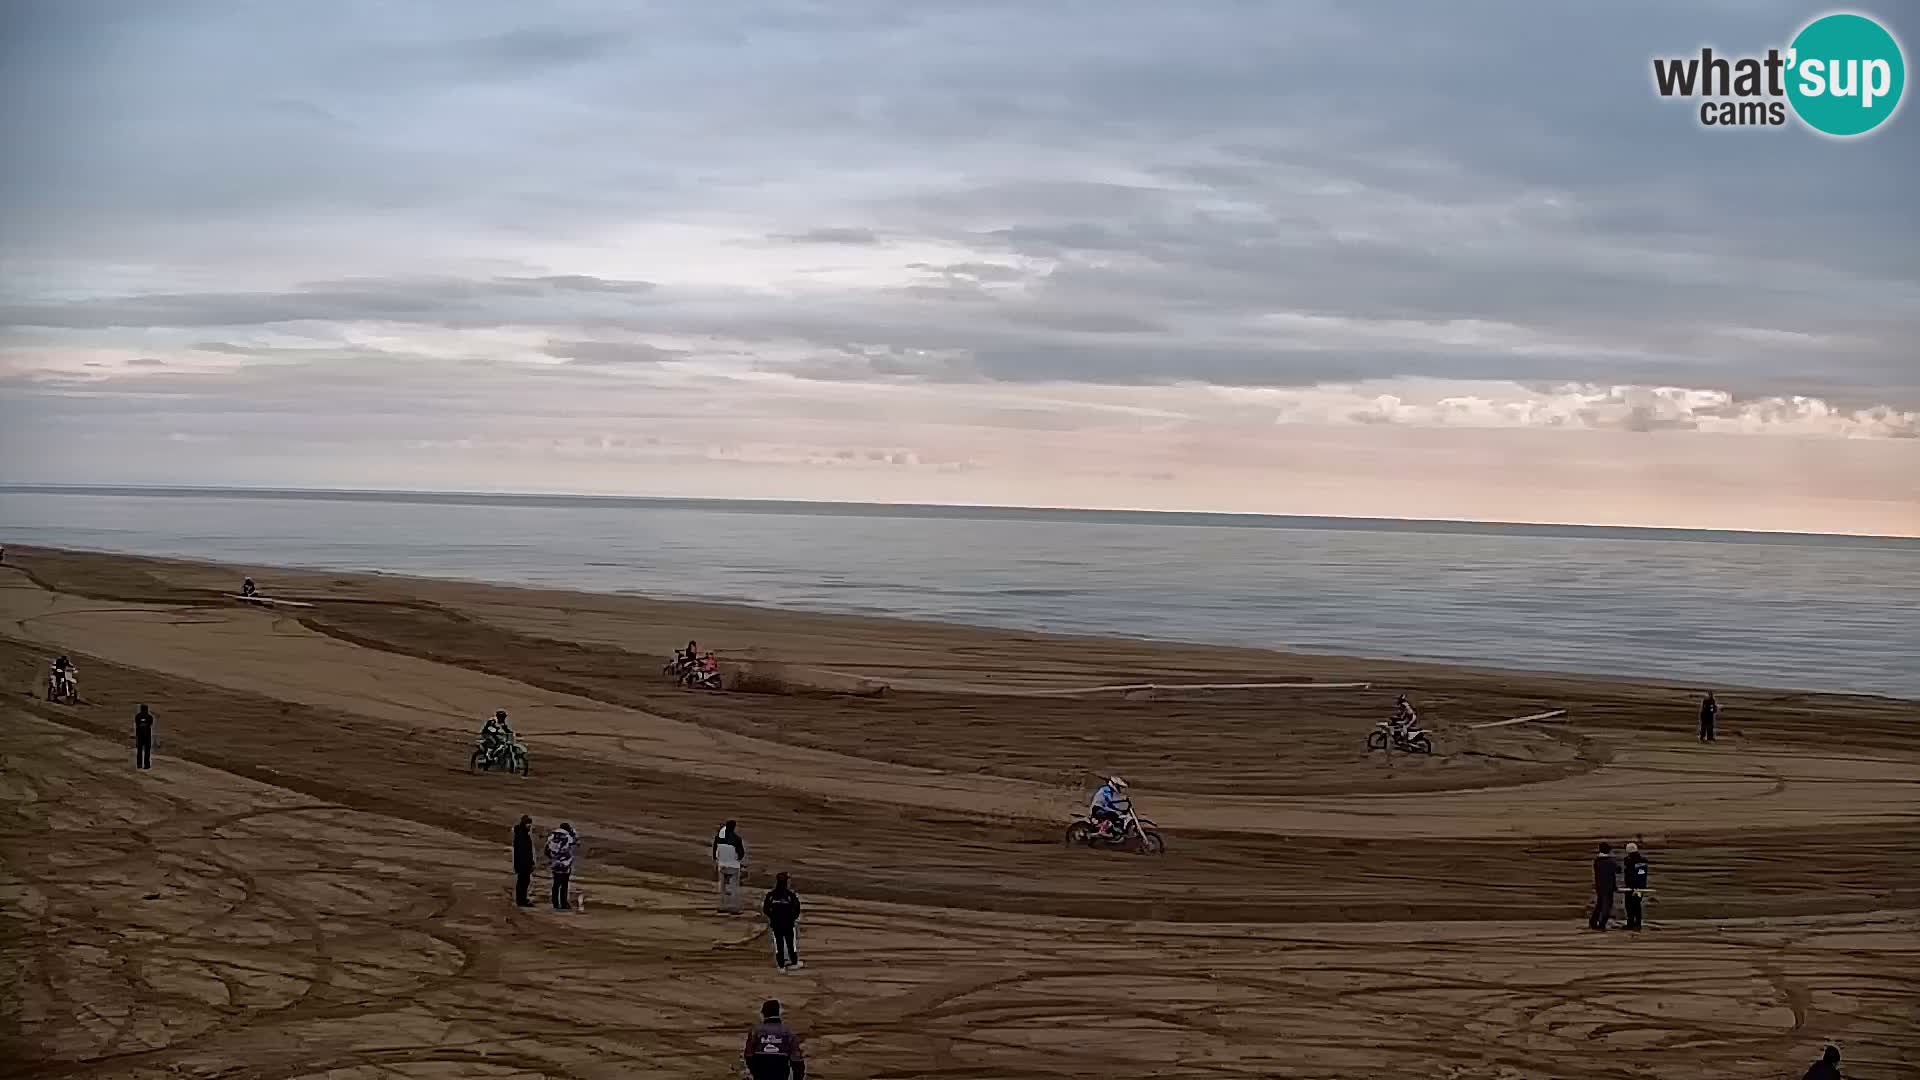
x: 1407, y: 738
x: 63, y: 685
x: 506, y: 755
x: 1130, y: 833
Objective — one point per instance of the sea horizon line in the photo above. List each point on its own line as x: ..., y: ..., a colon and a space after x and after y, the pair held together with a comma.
x: 978, y: 511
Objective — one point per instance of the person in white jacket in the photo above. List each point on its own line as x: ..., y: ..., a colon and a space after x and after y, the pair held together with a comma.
x: 730, y: 860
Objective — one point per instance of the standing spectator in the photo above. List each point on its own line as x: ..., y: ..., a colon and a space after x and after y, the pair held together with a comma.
x: 1636, y: 874
x: 143, y: 739
x: 561, y: 845
x: 730, y: 859
x: 522, y: 860
x: 782, y: 909
x: 1827, y: 1068
x: 1709, y: 712
x: 773, y: 1050
x: 1606, y: 874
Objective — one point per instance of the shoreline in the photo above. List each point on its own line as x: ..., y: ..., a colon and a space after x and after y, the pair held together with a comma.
x: 1385, y: 672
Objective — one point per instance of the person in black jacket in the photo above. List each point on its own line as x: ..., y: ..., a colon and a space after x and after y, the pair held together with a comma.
x: 1827, y: 1068
x: 1709, y: 712
x: 143, y: 739
x: 1606, y: 874
x: 1636, y: 874
x: 782, y: 909
x: 522, y: 860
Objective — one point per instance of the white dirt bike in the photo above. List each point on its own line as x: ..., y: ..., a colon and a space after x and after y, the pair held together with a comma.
x: 1131, y: 833
x: 63, y: 685
x: 1406, y: 737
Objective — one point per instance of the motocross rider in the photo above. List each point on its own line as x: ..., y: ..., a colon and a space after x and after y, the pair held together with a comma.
x: 1109, y: 803
x: 1404, y: 717
x: 496, y: 732
x: 248, y: 588
x: 63, y: 669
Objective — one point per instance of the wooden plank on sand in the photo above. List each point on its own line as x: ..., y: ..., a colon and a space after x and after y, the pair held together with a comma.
x: 1549, y: 715
x: 268, y: 601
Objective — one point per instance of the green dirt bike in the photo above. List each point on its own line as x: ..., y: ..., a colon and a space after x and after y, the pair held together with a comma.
x: 507, y: 755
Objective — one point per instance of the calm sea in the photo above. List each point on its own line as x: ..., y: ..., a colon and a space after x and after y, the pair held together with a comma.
x: 1832, y: 613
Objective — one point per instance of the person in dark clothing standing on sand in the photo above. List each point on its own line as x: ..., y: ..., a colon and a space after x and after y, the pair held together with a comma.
x: 773, y: 1050
x: 562, y: 844
x: 143, y: 739
x: 1827, y: 1068
x: 1636, y: 873
x: 522, y: 860
x: 1606, y: 874
x: 782, y: 909
x: 1709, y: 712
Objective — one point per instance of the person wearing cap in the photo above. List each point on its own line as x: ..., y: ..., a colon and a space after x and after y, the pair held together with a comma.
x: 1827, y: 1068
x: 1606, y: 874
x: 773, y: 1051
x: 522, y: 860
x: 1636, y: 875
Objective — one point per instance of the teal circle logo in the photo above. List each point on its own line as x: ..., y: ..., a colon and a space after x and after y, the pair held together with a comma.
x: 1845, y: 74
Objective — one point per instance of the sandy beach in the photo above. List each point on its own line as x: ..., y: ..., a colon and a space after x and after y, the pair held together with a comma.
x: 310, y: 883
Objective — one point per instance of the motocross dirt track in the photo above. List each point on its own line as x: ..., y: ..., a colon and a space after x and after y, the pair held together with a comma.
x: 309, y: 883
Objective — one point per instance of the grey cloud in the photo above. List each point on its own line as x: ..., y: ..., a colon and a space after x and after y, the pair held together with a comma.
x: 972, y: 272
x: 832, y: 235
x: 1158, y: 179
x: 445, y: 301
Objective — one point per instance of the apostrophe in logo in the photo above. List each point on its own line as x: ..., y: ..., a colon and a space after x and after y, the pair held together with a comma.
x: 1847, y: 75
x: 1842, y: 75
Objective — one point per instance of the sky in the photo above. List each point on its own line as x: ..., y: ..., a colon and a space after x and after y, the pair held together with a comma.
x: 1398, y: 259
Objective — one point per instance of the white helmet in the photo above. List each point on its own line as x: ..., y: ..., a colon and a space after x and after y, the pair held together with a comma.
x: 1117, y: 782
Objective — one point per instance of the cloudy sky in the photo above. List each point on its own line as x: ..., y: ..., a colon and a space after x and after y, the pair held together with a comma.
x: 1404, y: 259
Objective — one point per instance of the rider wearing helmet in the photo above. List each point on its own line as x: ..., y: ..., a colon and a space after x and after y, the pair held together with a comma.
x: 1404, y: 717
x: 1109, y: 803
x: 247, y: 588
x: 495, y: 731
